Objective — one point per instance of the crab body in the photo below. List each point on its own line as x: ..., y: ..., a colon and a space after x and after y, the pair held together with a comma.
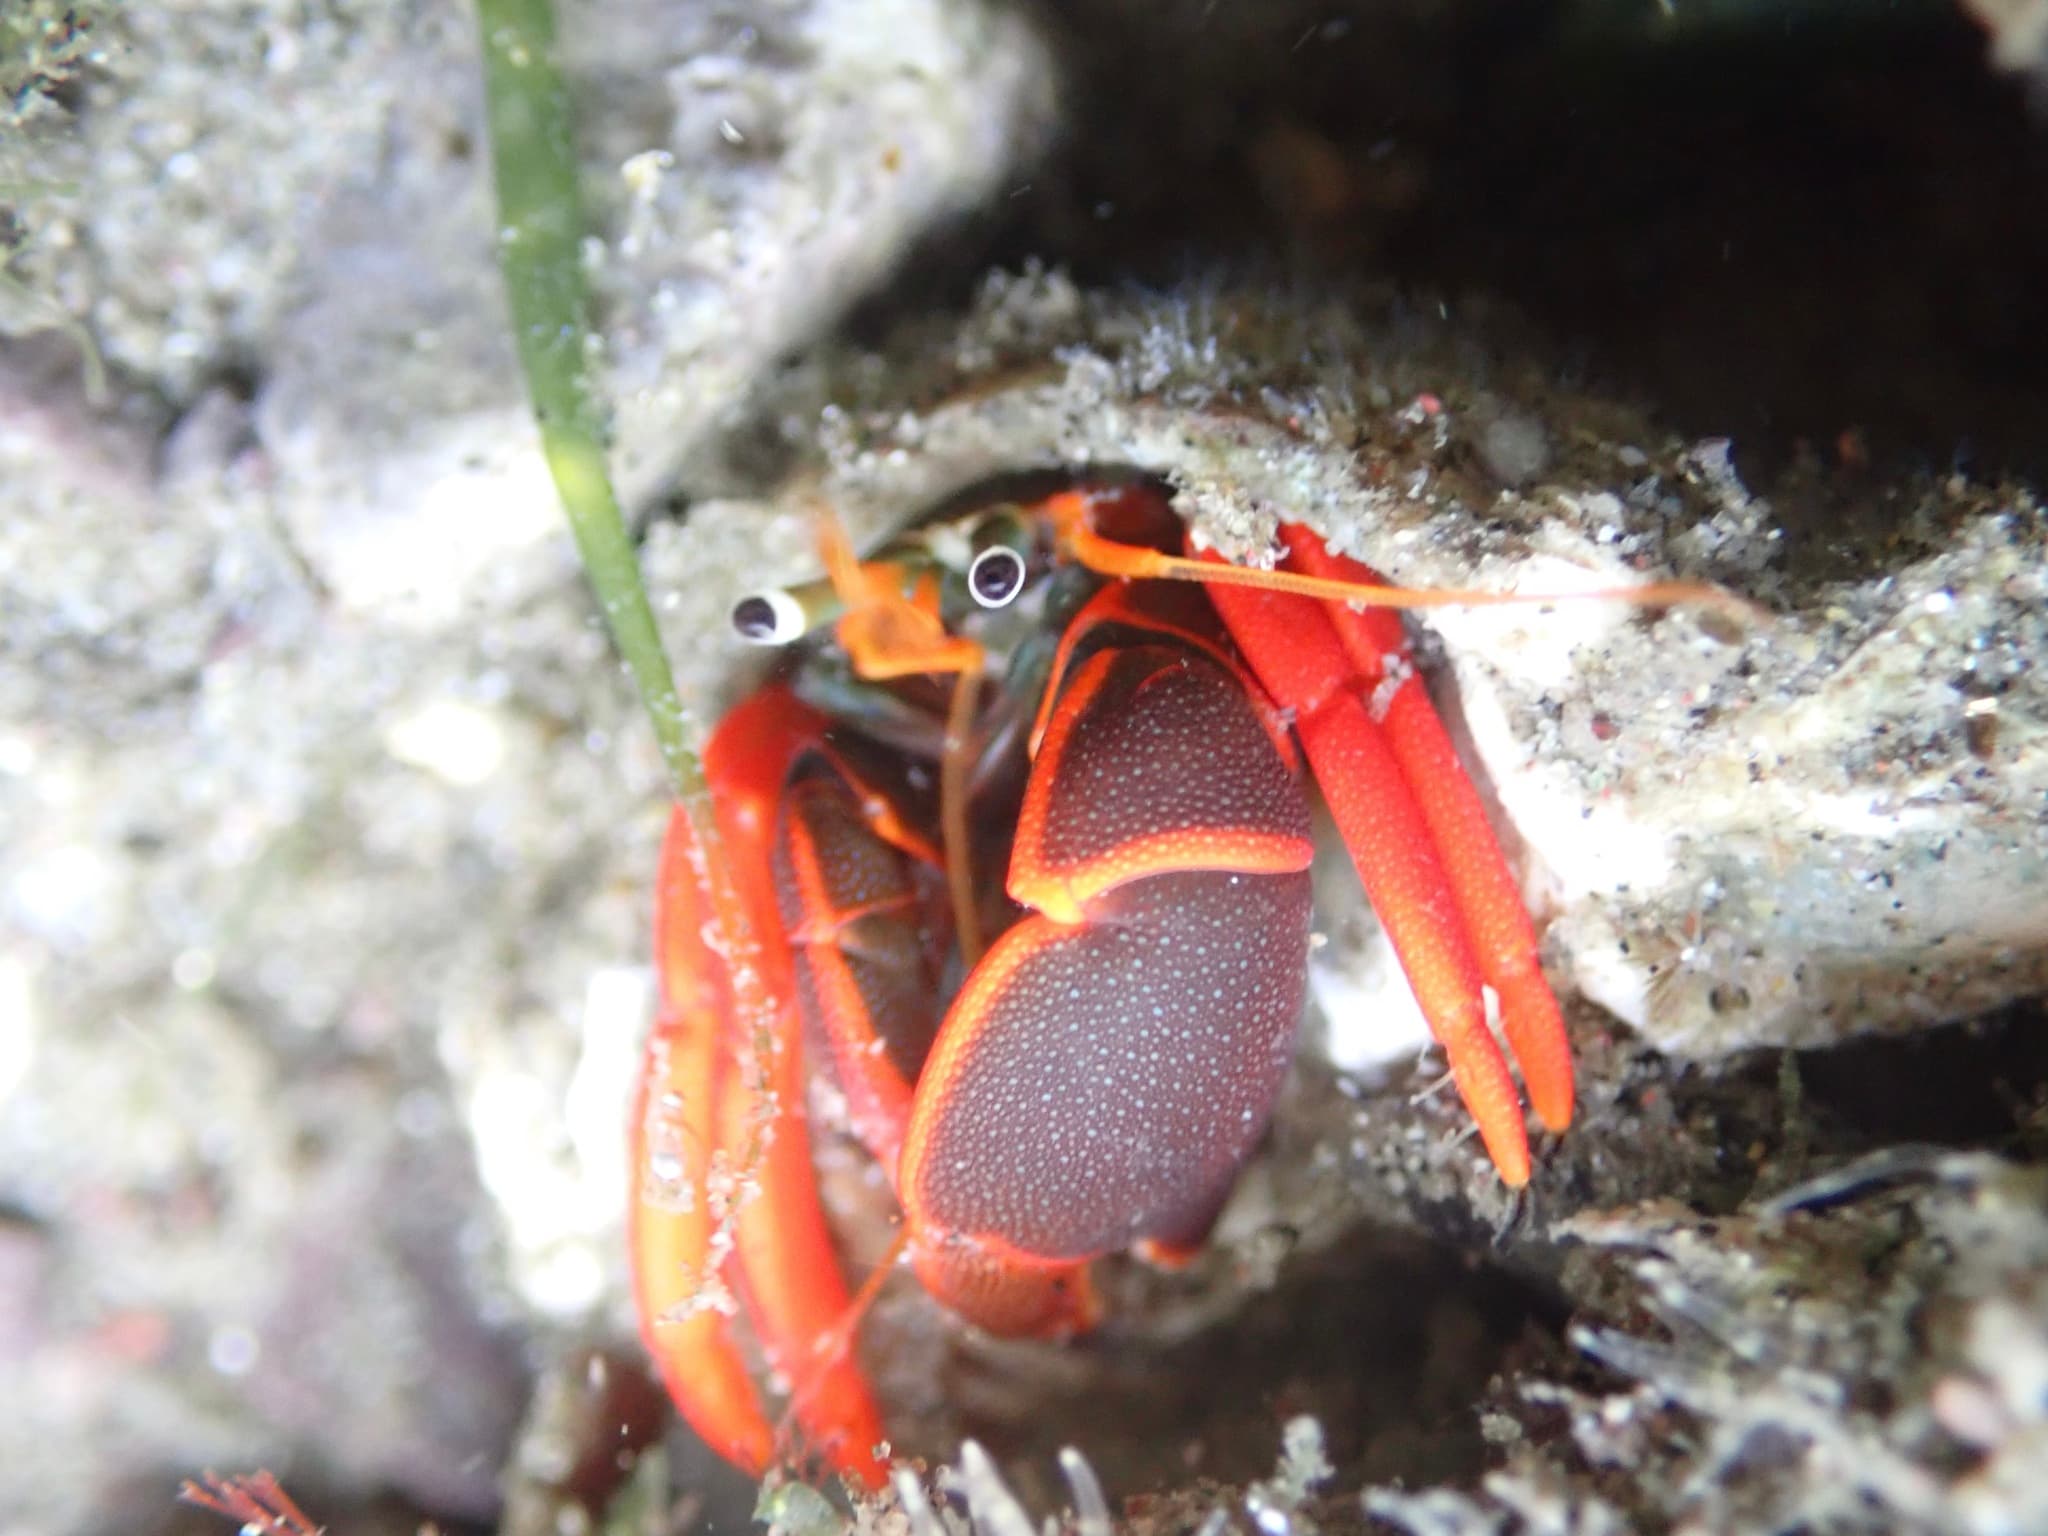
x: 1102, y: 1073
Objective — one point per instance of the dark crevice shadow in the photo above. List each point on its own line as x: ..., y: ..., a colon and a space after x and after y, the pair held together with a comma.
x: 1819, y: 234
x: 1386, y: 1338
x: 1981, y: 1084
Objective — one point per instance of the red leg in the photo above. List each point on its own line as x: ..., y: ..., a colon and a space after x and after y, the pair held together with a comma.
x: 1296, y: 651
x: 676, y: 1282
x: 1495, y: 916
x: 722, y: 1120
x: 861, y: 923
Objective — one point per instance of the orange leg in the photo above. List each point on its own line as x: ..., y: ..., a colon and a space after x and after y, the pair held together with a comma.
x: 673, y: 1226
x: 1297, y: 655
x: 1496, y: 919
x: 726, y: 1209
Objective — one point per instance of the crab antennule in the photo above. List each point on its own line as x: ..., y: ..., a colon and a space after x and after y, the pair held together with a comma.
x: 1495, y: 915
x: 890, y: 624
x: 956, y: 762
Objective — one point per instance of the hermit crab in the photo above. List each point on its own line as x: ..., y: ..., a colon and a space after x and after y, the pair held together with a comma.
x: 1079, y: 1056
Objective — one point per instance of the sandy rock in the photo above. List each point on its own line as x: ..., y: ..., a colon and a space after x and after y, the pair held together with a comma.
x: 314, y: 197
x: 1784, y: 830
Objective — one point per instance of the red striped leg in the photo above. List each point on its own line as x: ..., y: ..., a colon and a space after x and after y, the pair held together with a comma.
x: 1295, y: 649
x: 1496, y: 919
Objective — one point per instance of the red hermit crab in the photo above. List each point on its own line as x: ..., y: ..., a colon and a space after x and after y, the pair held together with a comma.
x: 1095, y: 1078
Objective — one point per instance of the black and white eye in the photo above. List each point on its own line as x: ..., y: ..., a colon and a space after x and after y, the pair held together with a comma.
x: 772, y: 617
x: 996, y: 576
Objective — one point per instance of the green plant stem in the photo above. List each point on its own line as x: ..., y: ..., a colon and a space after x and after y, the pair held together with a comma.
x: 540, y: 238
x: 540, y: 250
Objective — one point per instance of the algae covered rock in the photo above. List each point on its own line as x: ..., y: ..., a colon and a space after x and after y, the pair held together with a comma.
x: 1864, y: 1352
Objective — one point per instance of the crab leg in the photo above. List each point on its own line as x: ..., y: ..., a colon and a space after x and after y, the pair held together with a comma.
x: 1496, y: 917
x: 1295, y: 648
x: 727, y: 1193
x: 861, y: 926
x: 674, y: 1132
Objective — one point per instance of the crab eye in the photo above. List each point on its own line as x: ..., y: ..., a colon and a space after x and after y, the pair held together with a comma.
x: 772, y: 617
x: 996, y: 576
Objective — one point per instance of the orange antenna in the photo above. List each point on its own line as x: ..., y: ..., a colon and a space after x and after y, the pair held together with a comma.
x: 1071, y: 513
